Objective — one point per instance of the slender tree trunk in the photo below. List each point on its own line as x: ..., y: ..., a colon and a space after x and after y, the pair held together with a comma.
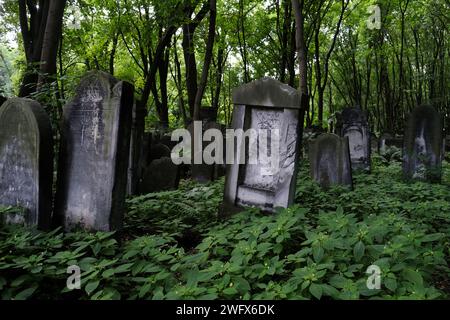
x: 52, y: 35
x: 208, y: 59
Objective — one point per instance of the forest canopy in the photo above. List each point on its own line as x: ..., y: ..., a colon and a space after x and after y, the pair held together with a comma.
x: 385, y: 56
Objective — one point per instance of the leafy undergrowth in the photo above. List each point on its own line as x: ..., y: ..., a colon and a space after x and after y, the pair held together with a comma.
x: 174, y: 246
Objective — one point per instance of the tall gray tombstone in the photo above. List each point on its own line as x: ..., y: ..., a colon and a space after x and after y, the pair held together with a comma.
x: 330, y: 164
x: 354, y: 125
x: 26, y: 161
x: 422, y: 151
x: 94, y: 154
x: 266, y: 104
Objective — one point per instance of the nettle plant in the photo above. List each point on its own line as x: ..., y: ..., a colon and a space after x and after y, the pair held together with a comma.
x: 174, y: 247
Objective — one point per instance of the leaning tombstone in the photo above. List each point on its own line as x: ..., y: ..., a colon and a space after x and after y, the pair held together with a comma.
x: 94, y: 154
x: 422, y: 152
x: 354, y: 125
x: 268, y: 111
x: 330, y: 164
x: 26, y: 162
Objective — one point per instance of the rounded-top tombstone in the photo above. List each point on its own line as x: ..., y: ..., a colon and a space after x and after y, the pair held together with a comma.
x: 423, y: 145
x: 330, y: 164
x: 26, y: 161
x: 95, y: 154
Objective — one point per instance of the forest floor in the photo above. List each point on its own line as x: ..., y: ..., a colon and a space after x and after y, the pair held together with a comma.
x: 173, y: 246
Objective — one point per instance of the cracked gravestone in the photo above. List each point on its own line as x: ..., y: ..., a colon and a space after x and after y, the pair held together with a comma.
x: 26, y: 162
x: 94, y: 154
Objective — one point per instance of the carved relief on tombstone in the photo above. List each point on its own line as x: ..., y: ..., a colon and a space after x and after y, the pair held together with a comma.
x: 26, y: 161
x: 95, y: 154
x: 422, y: 152
x: 330, y: 165
x: 270, y: 110
x: 354, y: 125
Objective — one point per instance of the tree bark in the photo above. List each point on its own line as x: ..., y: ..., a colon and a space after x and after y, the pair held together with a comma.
x: 208, y: 59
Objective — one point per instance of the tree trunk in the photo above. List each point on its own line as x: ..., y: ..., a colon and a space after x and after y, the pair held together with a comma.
x: 207, y: 61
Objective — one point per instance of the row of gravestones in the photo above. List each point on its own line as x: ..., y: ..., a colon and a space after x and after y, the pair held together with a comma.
x: 333, y: 158
x: 99, y: 127
x: 93, y: 163
x: 96, y: 133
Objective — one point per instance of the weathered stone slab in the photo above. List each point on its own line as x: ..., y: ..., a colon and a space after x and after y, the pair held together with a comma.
x: 161, y: 175
x: 330, y: 164
x: 422, y: 152
x: 94, y: 154
x: 354, y: 125
x: 26, y: 161
x: 270, y: 106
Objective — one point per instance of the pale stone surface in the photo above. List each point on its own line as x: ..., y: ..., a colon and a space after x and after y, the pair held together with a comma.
x: 423, y: 145
x: 26, y: 161
x: 330, y: 165
x: 354, y: 125
x: 94, y: 154
x: 270, y: 105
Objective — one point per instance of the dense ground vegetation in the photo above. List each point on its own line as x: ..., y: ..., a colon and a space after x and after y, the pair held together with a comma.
x: 173, y: 246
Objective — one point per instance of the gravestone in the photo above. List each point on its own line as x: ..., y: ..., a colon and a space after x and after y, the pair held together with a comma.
x: 203, y: 173
x: 26, y: 162
x: 269, y: 106
x: 353, y: 124
x: 161, y: 175
x: 136, y: 148
x: 330, y: 164
x: 422, y: 152
x: 94, y: 154
x: 388, y: 140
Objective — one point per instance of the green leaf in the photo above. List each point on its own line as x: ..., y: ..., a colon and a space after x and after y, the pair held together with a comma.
x: 433, y: 237
x: 25, y: 294
x: 316, y: 291
x: 91, y: 286
x: 124, y: 268
x: 413, y: 277
x: 230, y: 291
x: 108, y: 273
x: 359, y: 250
x: 318, y: 253
x: 390, y: 283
